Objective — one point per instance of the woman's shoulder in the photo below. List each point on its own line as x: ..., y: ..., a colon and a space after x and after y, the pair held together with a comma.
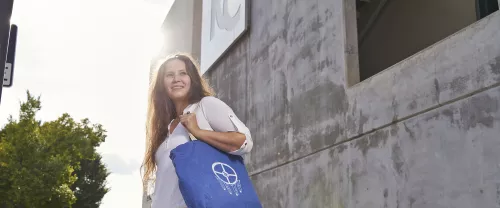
x: 212, y: 102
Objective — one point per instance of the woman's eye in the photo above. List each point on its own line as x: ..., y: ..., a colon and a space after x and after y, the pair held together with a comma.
x: 169, y: 75
x: 183, y: 73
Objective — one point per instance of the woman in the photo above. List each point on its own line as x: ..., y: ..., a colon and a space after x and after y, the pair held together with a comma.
x: 181, y: 105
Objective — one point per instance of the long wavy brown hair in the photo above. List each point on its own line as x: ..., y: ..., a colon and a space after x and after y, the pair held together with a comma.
x: 161, y: 110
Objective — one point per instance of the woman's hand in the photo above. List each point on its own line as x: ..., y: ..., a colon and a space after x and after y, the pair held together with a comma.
x: 189, y: 121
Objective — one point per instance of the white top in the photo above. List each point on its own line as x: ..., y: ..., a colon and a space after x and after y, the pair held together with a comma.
x: 212, y: 114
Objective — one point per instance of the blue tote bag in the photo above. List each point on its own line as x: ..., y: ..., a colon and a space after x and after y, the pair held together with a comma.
x: 210, y: 178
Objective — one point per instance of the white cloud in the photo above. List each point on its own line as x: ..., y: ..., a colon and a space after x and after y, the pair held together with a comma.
x: 120, y: 166
x: 124, y: 191
x: 90, y: 58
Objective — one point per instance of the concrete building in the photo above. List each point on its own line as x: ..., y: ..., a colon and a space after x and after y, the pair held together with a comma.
x: 356, y: 103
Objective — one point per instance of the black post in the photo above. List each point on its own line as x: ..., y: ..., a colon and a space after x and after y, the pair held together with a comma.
x: 5, y: 14
x: 11, y: 56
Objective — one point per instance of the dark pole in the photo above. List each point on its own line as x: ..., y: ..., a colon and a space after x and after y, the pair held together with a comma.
x: 11, y: 56
x: 5, y: 14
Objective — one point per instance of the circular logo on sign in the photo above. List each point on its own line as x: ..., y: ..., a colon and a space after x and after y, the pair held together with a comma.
x: 225, y: 173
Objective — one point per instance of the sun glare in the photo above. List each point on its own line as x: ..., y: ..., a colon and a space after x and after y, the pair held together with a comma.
x: 154, y: 43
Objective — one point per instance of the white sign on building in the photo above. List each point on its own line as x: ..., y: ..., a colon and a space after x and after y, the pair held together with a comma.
x: 223, y: 22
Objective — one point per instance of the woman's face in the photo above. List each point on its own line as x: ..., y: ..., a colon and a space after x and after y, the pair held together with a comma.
x: 177, y: 81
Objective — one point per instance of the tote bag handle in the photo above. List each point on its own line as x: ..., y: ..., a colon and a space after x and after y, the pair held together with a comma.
x: 193, y: 108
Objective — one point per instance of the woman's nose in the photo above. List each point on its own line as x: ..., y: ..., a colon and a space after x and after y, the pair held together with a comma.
x: 176, y: 78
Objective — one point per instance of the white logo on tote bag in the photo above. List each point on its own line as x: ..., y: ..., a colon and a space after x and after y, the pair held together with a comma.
x: 227, y: 178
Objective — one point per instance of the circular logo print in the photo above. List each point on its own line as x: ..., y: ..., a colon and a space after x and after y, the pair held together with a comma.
x: 225, y: 173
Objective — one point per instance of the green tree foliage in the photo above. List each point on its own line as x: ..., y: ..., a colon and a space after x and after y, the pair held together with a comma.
x: 90, y: 186
x: 50, y: 164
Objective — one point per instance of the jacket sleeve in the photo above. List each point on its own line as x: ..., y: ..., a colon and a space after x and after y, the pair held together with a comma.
x: 222, y: 119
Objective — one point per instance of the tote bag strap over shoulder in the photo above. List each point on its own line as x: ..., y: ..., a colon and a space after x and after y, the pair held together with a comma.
x: 192, y: 108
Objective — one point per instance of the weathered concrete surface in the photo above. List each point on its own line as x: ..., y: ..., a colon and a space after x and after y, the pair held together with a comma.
x: 411, y: 136
x: 287, y: 62
x: 448, y: 157
x: 320, y: 180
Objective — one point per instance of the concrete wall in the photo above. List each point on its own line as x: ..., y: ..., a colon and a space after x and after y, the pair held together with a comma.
x: 423, y: 133
x: 178, y: 27
x: 181, y: 30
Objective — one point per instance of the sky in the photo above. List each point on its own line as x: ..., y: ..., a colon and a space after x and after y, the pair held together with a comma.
x: 91, y: 59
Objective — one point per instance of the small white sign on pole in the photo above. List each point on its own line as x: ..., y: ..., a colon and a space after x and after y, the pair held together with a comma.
x: 223, y: 22
x: 7, y: 75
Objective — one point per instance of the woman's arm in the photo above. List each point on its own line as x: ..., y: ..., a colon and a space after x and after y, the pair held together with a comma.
x: 225, y: 141
x: 230, y: 134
